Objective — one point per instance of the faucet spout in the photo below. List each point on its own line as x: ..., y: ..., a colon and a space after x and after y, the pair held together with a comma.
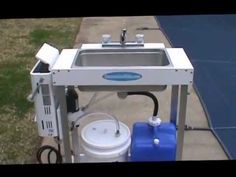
x: 123, y: 36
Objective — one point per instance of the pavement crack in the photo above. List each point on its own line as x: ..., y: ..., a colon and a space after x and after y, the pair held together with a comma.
x: 147, y: 28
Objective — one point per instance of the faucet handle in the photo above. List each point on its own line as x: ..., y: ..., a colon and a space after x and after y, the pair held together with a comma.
x: 140, y: 38
x: 106, y: 38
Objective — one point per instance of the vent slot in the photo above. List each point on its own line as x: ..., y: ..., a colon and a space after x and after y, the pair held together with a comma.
x: 46, y: 94
x: 49, y: 124
x: 42, y: 124
x: 47, y: 110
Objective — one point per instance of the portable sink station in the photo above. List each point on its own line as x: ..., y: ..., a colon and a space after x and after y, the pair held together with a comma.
x: 127, y: 68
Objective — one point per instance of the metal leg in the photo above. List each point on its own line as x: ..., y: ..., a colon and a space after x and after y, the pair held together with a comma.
x: 75, y: 143
x: 174, y: 103
x: 181, y: 121
x: 60, y: 94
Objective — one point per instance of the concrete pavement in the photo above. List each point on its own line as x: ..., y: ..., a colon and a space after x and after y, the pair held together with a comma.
x: 198, y: 145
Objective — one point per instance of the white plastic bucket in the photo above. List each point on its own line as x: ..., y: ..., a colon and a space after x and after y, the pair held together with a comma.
x: 100, y: 143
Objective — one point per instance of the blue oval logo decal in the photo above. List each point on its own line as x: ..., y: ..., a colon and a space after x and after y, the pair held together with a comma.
x: 122, y: 76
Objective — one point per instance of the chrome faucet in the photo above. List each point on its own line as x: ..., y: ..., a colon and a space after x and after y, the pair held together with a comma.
x: 123, y: 36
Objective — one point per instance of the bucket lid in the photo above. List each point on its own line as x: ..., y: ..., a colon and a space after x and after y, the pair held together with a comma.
x: 101, y: 134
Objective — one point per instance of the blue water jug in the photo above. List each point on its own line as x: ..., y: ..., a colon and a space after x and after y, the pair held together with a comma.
x: 150, y: 143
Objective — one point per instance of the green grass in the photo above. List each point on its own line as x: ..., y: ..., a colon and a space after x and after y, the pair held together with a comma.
x: 19, y: 42
x: 38, y: 36
x: 14, y: 87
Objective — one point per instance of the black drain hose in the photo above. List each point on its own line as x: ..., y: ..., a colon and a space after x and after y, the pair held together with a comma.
x: 51, y: 149
x: 150, y: 95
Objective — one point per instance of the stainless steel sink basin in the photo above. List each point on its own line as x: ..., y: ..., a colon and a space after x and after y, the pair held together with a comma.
x: 121, y: 57
x: 94, y: 67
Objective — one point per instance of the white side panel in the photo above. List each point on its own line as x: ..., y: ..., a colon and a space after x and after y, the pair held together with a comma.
x: 65, y: 59
x: 44, y: 105
x: 179, y: 58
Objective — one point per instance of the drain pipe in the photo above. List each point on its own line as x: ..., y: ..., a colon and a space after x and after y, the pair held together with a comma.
x: 154, y: 120
x: 123, y: 95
